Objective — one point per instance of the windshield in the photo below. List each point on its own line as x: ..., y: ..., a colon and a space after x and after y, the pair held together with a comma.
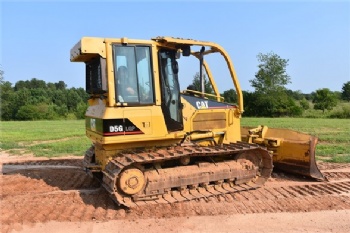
x: 133, y: 76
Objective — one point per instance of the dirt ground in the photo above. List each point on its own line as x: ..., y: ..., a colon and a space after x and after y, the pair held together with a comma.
x: 55, y: 195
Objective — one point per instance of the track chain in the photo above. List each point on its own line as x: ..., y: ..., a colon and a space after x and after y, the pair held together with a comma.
x: 190, y: 192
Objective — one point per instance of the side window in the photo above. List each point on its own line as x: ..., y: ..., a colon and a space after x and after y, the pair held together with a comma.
x: 95, y: 71
x: 126, y: 78
x: 144, y: 73
x: 133, y: 76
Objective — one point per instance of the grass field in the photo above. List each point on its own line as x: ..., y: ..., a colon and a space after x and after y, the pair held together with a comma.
x: 44, y: 138
x: 61, y: 138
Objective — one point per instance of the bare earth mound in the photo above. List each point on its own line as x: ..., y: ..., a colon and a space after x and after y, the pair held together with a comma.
x: 42, y: 195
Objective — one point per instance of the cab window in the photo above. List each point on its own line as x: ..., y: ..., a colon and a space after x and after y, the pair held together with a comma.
x: 133, y: 74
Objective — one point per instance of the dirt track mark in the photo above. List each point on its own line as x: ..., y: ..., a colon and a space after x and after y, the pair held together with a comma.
x: 337, y: 175
x: 44, y: 161
x: 324, y: 166
x: 60, y: 194
x: 48, y: 141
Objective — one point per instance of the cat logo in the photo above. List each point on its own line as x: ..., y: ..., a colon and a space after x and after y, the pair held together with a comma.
x: 202, y: 104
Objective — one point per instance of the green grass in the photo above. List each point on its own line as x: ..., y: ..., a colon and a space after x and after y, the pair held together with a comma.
x: 44, y: 138
x: 333, y: 134
x: 342, y: 109
x: 61, y: 138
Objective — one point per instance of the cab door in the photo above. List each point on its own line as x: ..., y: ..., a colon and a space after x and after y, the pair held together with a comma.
x: 171, y: 102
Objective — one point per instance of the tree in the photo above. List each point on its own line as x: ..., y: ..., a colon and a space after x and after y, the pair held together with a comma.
x: 345, y: 94
x: 324, y: 99
x: 28, y: 112
x: 81, y: 109
x: 36, y: 83
x: 19, y: 85
x: 250, y: 100
x: 271, y: 75
x: 304, y: 103
x: 6, y: 96
x: 207, y: 85
x: 38, y: 95
x: 270, y: 97
x: 297, y: 95
x: 230, y: 96
x: 59, y: 98
x: 73, y: 99
x: 61, y: 85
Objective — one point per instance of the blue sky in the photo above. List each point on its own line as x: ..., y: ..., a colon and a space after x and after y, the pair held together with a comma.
x: 36, y: 36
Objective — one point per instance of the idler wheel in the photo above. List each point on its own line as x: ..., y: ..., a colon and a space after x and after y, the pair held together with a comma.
x: 131, y: 181
x: 249, y: 159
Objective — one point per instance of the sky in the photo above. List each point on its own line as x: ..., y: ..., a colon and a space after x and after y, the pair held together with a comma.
x: 36, y: 36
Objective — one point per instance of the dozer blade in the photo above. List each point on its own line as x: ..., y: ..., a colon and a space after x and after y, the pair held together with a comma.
x: 293, y: 152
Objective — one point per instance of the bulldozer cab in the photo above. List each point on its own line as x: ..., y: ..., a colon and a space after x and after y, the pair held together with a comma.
x: 137, y: 74
x: 134, y: 81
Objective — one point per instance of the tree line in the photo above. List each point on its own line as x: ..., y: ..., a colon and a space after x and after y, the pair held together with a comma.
x: 37, y: 100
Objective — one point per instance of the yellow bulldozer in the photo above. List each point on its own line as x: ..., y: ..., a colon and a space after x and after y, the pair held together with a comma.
x: 154, y: 143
